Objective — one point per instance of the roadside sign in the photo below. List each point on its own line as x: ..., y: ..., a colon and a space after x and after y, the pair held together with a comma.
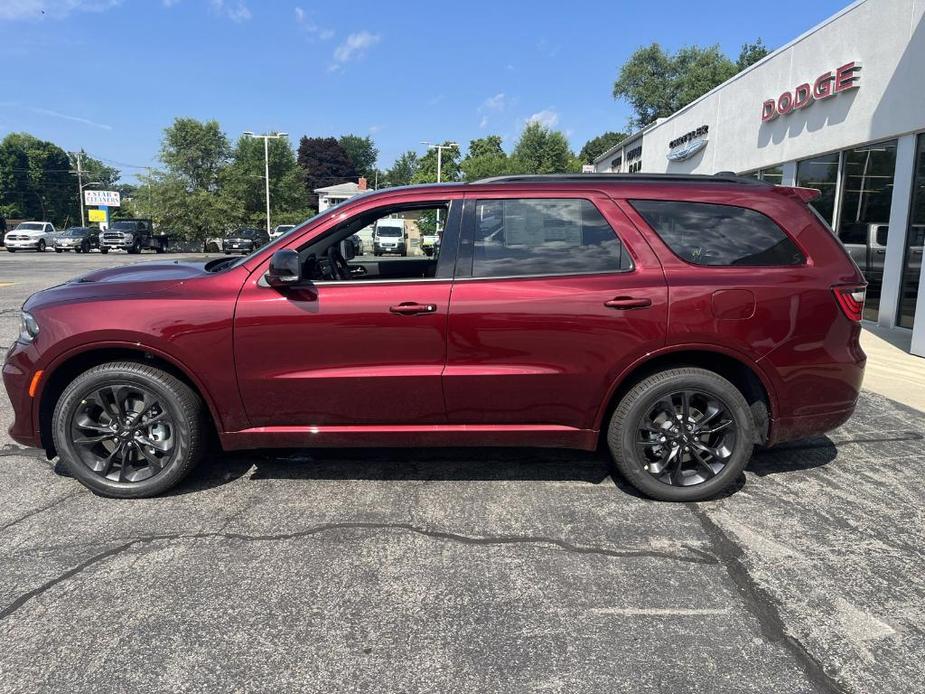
x: 97, y: 215
x: 102, y: 197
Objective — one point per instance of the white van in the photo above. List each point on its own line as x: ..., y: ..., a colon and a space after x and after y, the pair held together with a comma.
x: 389, y: 237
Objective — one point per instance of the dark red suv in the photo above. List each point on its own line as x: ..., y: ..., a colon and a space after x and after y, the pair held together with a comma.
x: 683, y: 318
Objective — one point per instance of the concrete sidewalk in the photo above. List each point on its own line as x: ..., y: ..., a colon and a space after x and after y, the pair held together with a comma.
x: 891, y: 370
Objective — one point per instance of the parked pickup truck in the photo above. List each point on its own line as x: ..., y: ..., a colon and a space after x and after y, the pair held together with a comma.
x: 132, y: 235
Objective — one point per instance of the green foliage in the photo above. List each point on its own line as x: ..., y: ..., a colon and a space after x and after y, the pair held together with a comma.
x: 402, y: 170
x: 656, y: 84
x: 485, y: 159
x: 35, y: 181
x: 324, y: 163
x: 751, y: 53
x: 362, y: 152
x: 541, y: 150
x: 208, y: 188
x: 426, y: 170
x: 596, y: 146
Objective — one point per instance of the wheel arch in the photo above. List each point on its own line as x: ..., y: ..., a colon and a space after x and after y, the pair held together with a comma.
x: 740, y: 371
x: 68, y: 366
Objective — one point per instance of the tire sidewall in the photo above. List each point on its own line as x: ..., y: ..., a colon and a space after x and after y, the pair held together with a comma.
x: 67, y: 452
x: 622, y: 436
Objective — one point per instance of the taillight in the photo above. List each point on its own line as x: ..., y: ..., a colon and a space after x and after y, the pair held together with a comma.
x: 851, y: 300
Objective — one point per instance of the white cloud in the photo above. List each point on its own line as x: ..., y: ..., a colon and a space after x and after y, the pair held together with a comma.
x: 355, y: 46
x: 305, y: 20
x: 64, y: 116
x: 547, y: 118
x: 373, y: 129
x: 484, y: 122
x: 235, y: 10
x: 55, y: 9
x: 169, y: 3
x: 497, y: 102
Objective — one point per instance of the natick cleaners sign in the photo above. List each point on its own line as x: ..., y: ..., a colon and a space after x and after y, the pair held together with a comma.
x: 828, y: 84
x: 109, y: 198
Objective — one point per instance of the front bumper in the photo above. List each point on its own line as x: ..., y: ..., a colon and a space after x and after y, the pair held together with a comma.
x: 32, y: 243
x: 18, y: 370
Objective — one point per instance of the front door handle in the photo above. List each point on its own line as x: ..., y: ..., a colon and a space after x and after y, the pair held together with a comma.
x: 412, y: 308
x: 625, y: 303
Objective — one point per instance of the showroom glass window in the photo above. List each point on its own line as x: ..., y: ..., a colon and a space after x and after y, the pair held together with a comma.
x: 863, y: 223
x: 915, y: 240
x: 545, y: 236
x: 773, y: 174
x: 821, y: 173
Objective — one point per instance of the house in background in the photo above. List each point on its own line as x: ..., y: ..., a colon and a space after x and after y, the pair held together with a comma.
x: 336, y: 194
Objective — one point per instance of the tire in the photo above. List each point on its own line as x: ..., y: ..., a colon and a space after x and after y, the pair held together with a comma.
x: 665, y: 471
x: 11, y: 250
x: 104, y: 250
x: 179, y: 426
x: 135, y: 249
x: 58, y: 250
x: 41, y: 247
x: 85, y: 247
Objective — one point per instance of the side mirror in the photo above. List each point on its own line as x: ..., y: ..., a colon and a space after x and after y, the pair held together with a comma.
x: 285, y: 268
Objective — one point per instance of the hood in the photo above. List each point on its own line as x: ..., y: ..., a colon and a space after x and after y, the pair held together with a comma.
x: 175, y: 271
x: 27, y: 232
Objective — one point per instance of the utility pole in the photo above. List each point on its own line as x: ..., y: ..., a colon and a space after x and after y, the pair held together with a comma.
x: 80, y: 190
x: 266, y: 137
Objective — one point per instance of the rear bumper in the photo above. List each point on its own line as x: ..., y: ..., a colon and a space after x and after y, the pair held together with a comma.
x: 792, y: 428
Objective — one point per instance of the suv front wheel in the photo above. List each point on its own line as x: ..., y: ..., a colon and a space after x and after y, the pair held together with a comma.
x: 128, y: 430
x: 684, y: 434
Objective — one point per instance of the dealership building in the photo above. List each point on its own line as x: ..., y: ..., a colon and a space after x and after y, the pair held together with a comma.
x: 842, y: 109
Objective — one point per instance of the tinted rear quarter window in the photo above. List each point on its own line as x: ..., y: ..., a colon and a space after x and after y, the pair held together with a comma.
x: 719, y: 235
x: 544, y: 236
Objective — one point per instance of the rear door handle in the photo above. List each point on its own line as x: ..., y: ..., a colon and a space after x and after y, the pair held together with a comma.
x: 412, y: 308
x: 625, y: 303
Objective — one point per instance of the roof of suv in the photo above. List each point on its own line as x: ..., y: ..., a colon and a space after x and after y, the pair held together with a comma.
x: 721, y: 177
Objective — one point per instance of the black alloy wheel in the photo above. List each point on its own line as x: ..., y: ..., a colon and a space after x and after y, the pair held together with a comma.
x: 126, y: 429
x: 683, y: 434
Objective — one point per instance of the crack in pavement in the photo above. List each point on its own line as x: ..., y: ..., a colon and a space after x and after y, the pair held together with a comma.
x: 761, y: 605
x: 694, y: 556
x: 37, y: 511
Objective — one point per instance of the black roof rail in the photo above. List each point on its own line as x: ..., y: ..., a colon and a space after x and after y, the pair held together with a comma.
x: 722, y: 177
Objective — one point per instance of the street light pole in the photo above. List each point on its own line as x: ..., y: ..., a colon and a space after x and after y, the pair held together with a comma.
x: 440, y: 148
x: 266, y: 137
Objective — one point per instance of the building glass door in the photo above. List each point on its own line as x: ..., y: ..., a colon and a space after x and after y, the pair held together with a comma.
x: 821, y: 173
x: 915, y: 240
x: 863, y: 221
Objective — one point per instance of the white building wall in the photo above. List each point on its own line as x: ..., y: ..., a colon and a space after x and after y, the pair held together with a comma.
x: 887, y: 37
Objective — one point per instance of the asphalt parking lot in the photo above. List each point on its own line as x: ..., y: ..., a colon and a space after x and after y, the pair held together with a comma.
x: 461, y: 570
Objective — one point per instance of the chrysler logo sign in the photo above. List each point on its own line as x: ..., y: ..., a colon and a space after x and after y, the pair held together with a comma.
x: 828, y: 84
x: 688, y: 144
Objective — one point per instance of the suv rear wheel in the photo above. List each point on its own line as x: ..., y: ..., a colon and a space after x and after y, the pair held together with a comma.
x: 683, y: 434
x: 128, y: 430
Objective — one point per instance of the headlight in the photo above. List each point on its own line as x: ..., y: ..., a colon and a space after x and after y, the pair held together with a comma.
x: 28, y: 328
x: 128, y: 237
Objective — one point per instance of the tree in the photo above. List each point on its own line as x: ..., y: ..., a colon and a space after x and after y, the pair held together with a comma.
x: 243, y: 182
x: 596, y: 146
x: 196, y: 151
x: 426, y: 171
x: 402, y: 170
x: 656, y: 84
x: 485, y: 159
x: 324, y: 163
x: 541, y: 150
x: 363, y: 152
x: 35, y: 180
x: 751, y: 53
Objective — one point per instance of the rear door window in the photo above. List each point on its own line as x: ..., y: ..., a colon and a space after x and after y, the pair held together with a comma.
x: 543, y: 236
x: 719, y: 235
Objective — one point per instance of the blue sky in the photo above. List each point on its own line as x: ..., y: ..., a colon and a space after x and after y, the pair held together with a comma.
x: 109, y: 75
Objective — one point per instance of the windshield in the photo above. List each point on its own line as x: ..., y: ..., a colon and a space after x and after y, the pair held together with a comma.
x: 76, y: 231
x: 122, y: 225
x: 31, y: 226
x: 281, y: 240
x: 283, y: 228
x: 389, y: 231
x: 246, y: 233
